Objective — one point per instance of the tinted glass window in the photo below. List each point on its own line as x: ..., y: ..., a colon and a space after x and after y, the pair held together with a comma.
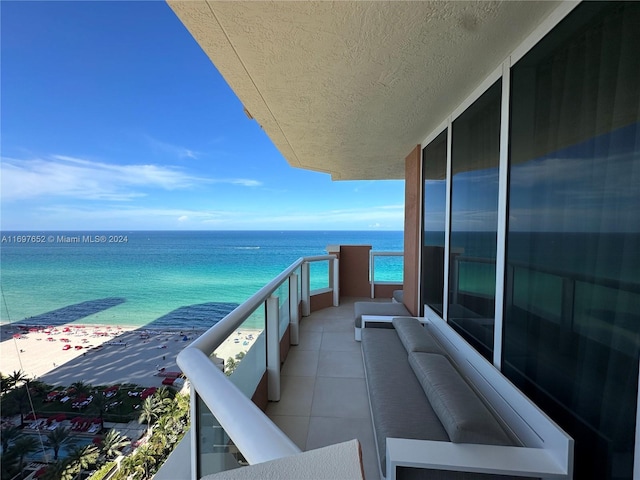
x: 434, y: 159
x: 475, y: 158
x: 572, y: 323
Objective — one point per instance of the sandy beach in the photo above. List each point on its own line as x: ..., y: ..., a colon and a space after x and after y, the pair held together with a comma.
x: 102, y: 355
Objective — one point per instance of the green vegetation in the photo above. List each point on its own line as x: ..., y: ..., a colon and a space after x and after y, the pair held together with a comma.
x: 119, y: 407
x: 103, y: 471
x: 171, y: 414
x: 165, y: 413
x: 232, y: 363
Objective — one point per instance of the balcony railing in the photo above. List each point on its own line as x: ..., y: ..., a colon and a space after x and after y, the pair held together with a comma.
x: 228, y: 429
x: 384, y: 257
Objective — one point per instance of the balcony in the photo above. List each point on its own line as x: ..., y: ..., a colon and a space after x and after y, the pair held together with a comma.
x: 324, y: 399
x: 300, y: 385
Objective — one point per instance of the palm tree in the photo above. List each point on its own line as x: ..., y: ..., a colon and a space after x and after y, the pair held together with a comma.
x: 163, y: 398
x: 144, y: 458
x: 127, y: 466
x: 8, y: 463
x: 55, y: 438
x: 20, y: 400
x: 99, y: 405
x: 148, y: 412
x: 82, y: 387
x: 59, y: 470
x: 15, y: 378
x: 37, y: 387
x: 113, y: 444
x: 5, y: 384
x: 229, y: 366
x: 82, y: 457
x: 24, y: 445
x: 159, y: 443
x: 8, y: 435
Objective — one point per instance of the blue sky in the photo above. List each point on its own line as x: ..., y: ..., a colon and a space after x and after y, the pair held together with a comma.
x: 113, y: 118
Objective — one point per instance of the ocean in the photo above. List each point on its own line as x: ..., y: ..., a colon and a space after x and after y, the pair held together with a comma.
x: 168, y: 279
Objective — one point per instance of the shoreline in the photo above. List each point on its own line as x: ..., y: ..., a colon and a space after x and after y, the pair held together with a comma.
x: 103, y: 354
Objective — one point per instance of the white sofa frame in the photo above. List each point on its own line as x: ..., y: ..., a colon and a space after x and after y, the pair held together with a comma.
x: 547, y: 450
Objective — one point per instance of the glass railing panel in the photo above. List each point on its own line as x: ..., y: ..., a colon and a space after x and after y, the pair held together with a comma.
x: 319, y: 275
x: 388, y: 268
x: 283, y: 306
x: 216, y: 451
x: 244, y: 353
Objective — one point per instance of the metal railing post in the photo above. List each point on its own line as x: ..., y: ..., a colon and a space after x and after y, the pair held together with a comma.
x: 306, y: 306
x: 294, y: 310
x: 273, y: 349
x: 193, y: 433
x: 336, y: 282
x: 372, y: 262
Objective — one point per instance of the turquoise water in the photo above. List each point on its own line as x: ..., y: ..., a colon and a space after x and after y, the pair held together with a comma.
x: 157, y: 279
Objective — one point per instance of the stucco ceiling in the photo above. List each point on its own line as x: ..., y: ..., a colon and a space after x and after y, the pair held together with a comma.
x: 350, y: 87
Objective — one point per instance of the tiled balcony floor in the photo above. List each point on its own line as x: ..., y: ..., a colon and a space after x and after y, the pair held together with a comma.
x: 323, y: 392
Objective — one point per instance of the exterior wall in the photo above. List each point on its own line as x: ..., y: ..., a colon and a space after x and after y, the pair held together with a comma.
x: 260, y: 396
x: 386, y: 291
x: 354, y: 271
x: 322, y: 300
x: 412, y: 227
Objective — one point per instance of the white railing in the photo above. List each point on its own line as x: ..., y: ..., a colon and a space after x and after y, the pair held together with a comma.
x: 372, y: 264
x: 256, y: 437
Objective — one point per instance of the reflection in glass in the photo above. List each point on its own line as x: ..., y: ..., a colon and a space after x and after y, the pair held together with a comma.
x: 434, y: 160
x: 319, y: 275
x: 245, y: 353
x: 572, y: 324
x: 475, y: 159
x: 283, y: 307
x: 216, y: 451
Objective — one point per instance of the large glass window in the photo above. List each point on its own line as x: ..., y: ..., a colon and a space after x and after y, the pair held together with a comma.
x: 572, y: 323
x: 434, y: 160
x: 475, y: 160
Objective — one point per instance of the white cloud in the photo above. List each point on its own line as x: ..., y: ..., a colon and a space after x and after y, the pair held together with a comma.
x: 125, y: 216
x: 175, y: 150
x: 64, y: 176
x: 245, y: 182
x: 387, y: 216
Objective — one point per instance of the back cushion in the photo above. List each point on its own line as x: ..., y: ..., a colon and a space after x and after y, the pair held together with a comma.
x: 415, y: 337
x: 463, y: 415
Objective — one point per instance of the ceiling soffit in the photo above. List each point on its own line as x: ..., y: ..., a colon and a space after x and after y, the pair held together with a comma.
x: 349, y: 88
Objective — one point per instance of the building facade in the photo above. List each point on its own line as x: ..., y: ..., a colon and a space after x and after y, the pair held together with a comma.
x: 520, y: 151
x: 531, y: 229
